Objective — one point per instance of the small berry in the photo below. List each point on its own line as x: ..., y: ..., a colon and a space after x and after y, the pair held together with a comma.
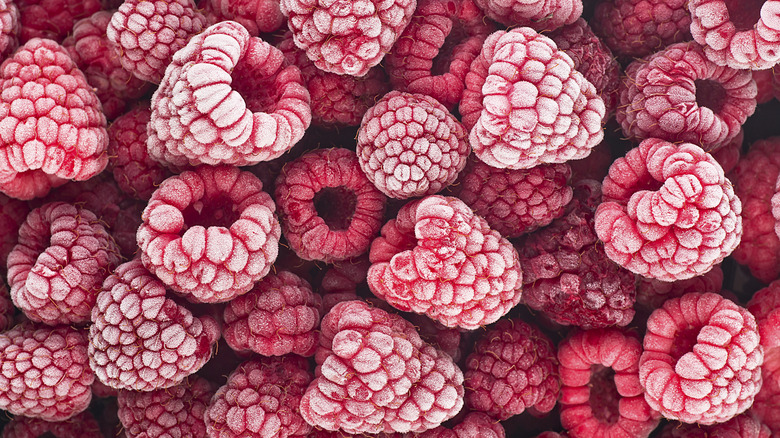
x: 765, y: 306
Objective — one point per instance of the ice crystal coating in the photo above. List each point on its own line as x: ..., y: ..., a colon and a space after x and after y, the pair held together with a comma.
x: 767, y: 403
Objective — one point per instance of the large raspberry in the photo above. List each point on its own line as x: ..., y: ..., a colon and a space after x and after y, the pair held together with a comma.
x: 227, y: 98
x: 52, y: 128
x: 82, y: 425
x: 9, y: 26
x: 375, y: 374
x: 742, y: 426
x: 526, y: 105
x: 702, y: 359
x: 669, y: 213
x: 210, y: 233
x: 439, y: 258
x: 52, y: 19
x: 257, y: 16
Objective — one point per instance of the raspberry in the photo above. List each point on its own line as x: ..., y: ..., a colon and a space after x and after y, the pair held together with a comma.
x: 669, y: 213
x: 227, y: 98
x: 767, y: 402
x: 44, y: 372
x: 170, y: 412
x: 513, y: 368
x: 374, y: 374
x: 257, y: 16
x: 439, y: 258
x: 56, y: 270
x: 607, y: 359
x: 12, y: 214
x: 329, y: 210
x: 52, y: 19
x: 702, y: 359
x: 210, y: 233
x: 82, y: 425
x: 9, y: 27
x: 526, y: 105
x: 765, y: 307
x: 141, y: 340
x: 409, y: 145
x: 261, y: 398
x: 347, y: 37
x: 741, y: 426
x: 479, y: 425
x: 280, y: 315
x: 52, y: 128
x: 652, y: 293
x: 679, y: 95
x: 541, y: 15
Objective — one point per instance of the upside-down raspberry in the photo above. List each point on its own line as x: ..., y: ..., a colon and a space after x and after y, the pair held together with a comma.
x: 745, y: 425
x: 257, y: 16
x: 541, y: 15
x: 9, y: 26
x: 52, y: 19
x: 82, y: 425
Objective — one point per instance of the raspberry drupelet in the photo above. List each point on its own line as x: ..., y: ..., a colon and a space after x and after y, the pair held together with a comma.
x: 52, y: 19
x: 82, y: 425
x: 257, y: 16
x: 746, y: 425
x: 541, y: 15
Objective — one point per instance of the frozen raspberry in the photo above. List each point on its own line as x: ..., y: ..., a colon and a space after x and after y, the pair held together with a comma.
x: 669, y: 213
x: 178, y: 411
x: 375, y: 374
x: 101, y: 390
x: 767, y: 402
x: 44, y: 372
x: 765, y: 306
x: 141, y: 340
x: 210, y: 233
x: 741, y: 426
x: 347, y: 37
x: 479, y: 425
x: 52, y: 128
x: 329, y: 210
x: 261, y: 399
x: 526, y: 105
x: 257, y: 16
x: 541, y: 15
x: 679, y: 95
x: 82, y: 425
x: 280, y: 315
x: 52, y: 19
x: 652, y: 293
x: 409, y: 145
x: 57, y: 269
x: 9, y: 27
x: 12, y: 214
x: 702, y: 359
x: 227, y: 98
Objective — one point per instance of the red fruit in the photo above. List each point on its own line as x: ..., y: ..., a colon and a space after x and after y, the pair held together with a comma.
x: 765, y: 306
x: 257, y: 16
x: 541, y: 15
x: 652, y: 293
x: 9, y: 26
x: 767, y: 402
x: 52, y: 19
x: 82, y: 425
x: 741, y: 426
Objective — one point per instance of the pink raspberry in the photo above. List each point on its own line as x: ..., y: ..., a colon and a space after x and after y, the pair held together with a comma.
x: 652, y: 293
x: 741, y: 426
x: 142, y: 341
x: 52, y: 19
x: 56, y: 270
x: 541, y: 15
x: 257, y: 16
x: 513, y: 368
x: 261, y: 399
x: 82, y: 425
x: 45, y: 372
x: 702, y: 359
x: 765, y: 307
x: 347, y: 37
x: 227, y: 98
x: 329, y: 210
x: 52, y: 128
x: 9, y: 26
x: 374, y: 374
x: 409, y: 145
x: 669, y: 212
x: 607, y: 359
x: 280, y: 315
x: 210, y: 233
x: 12, y: 214
x: 679, y: 95
x: 479, y: 425
x: 439, y: 258
x: 526, y: 105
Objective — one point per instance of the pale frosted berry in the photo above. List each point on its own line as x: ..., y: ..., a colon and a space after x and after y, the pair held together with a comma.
x: 12, y: 214
x: 82, y: 425
x: 257, y: 16
x: 541, y: 15
x: 52, y: 19
x: 9, y: 26
x: 652, y: 293
x: 746, y: 425
x: 702, y: 359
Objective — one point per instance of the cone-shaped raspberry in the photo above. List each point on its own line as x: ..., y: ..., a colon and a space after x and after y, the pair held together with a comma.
x: 742, y: 426
x: 409, y: 145
x: 652, y: 293
x: 375, y: 374
x: 702, y: 359
x: 141, y: 340
x: 210, y: 233
x: 261, y: 399
x: 44, y: 372
x: 257, y: 16
x: 52, y: 128
x: 526, y: 104
x: 82, y: 425
x: 607, y: 360
x: 9, y: 26
x: 52, y: 19
x: 227, y: 98
x: 439, y: 258
x: 669, y: 212
x: 57, y: 269
x: 13, y: 212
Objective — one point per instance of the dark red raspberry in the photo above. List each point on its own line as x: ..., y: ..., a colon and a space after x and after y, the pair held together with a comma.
x: 82, y: 425
x: 329, y: 210
x: 257, y: 16
x: 541, y: 15
x: 742, y: 426
x: 9, y: 26
x: 341, y: 280
x: 52, y: 19
x: 12, y: 214
x: 652, y: 293
x: 409, y: 145
x: 767, y: 402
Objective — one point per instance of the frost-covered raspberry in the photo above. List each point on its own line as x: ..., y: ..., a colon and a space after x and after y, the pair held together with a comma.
x: 329, y: 210
x: 746, y: 425
x: 280, y: 315
x: 513, y: 368
x: 82, y: 425
x: 702, y: 359
x: 227, y: 98
x: 600, y: 391
x: 52, y: 128
x: 346, y: 36
x: 669, y: 212
x: 541, y: 15
x: 142, y: 341
x: 261, y: 398
x: 44, y: 372
x: 439, y: 258
x: 765, y: 306
x: 409, y: 145
x: 257, y: 16
x: 375, y: 374
x: 12, y: 214
x: 52, y: 19
x: 679, y: 95
x: 526, y: 105
x: 652, y: 293
x: 58, y: 266
x: 210, y: 233
x: 9, y: 26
